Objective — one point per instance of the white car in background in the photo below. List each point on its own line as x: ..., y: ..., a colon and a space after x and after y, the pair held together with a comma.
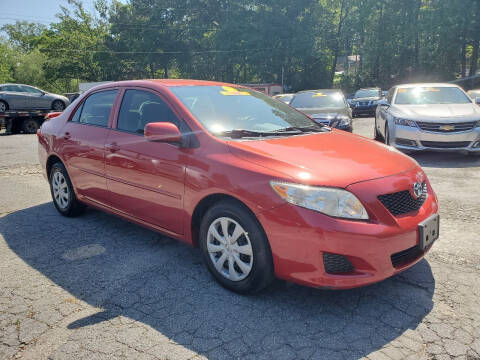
x: 429, y: 117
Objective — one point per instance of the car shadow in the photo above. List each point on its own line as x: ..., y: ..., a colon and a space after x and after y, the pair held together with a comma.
x: 136, y: 273
x: 446, y: 159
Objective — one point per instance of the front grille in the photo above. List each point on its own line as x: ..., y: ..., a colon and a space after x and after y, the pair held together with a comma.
x: 337, y: 264
x: 446, y: 127
x: 402, y: 202
x: 406, y: 256
x: 446, y: 145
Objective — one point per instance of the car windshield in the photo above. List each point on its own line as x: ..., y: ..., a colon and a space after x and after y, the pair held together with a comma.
x: 423, y: 95
x: 223, y: 109
x: 284, y: 98
x: 318, y: 99
x: 366, y: 93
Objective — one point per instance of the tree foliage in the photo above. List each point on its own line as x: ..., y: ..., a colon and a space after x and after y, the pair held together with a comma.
x: 301, y: 42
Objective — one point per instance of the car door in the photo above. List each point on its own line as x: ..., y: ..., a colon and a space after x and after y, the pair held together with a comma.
x: 83, y: 145
x: 146, y: 178
x: 15, y: 97
x: 35, y: 98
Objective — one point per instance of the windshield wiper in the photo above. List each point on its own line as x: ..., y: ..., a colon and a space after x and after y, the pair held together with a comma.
x: 293, y: 129
x: 240, y: 133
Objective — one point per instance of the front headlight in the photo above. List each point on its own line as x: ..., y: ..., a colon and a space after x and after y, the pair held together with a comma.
x: 342, y: 120
x: 404, y: 122
x: 330, y: 201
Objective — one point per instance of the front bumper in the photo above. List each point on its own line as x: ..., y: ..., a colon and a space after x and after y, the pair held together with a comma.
x: 413, y: 138
x: 299, y: 238
x: 364, y: 110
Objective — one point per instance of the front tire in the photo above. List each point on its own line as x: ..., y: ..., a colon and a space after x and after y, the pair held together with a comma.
x: 235, y: 248
x: 58, y: 105
x: 387, y: 135
x: 376, y: 135
x: 63, y: 195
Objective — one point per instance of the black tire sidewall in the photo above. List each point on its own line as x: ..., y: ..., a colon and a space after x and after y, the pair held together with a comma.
x: 6, y: 105
x: 73, y: 206
x: 56, y: 102
x: 26, y: 130
x: 261, y: 274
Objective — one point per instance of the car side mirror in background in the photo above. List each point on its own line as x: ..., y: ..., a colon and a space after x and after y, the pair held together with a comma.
x: 383, y: 102
x: 477, y: 101
x: 162, y: 132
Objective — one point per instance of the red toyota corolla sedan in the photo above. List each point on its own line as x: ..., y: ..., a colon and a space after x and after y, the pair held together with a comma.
x: 262, y: 189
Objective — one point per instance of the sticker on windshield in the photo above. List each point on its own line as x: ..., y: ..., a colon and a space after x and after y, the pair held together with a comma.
x: 319, y: 94
x: 230, y: 91
x: 401, y: 91
x: 431, y: 89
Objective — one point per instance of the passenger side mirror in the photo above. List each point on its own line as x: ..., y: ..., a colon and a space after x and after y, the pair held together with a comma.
x: 162, y: 132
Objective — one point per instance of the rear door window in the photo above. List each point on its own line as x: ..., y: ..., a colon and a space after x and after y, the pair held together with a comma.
x: 140, y: 108
x: 96, y: 109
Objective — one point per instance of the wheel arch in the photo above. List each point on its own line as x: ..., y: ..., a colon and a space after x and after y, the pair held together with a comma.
x: 52, y: 159
x: 206, y: 203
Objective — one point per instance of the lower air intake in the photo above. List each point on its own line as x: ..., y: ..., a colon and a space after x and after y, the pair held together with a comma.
x: 337, y: 264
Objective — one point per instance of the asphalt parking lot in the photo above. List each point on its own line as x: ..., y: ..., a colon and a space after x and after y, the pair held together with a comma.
x: 97, y: 287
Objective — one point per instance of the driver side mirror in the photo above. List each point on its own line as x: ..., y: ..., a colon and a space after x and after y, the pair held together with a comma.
x: 163, y: 132
x: 383, y: 102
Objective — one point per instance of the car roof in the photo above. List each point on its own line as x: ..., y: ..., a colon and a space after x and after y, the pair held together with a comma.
x: 370, y: 88
x: 426, y: 85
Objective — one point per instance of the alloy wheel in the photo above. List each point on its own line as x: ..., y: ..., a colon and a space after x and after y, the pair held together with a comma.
x: 230, y: 249
x: 3, y: 107
x: 61, y: 193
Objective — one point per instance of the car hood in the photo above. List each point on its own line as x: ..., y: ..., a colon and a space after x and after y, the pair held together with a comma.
x: 438, y: 111
x: 325, y: 110
x: 333, y: 158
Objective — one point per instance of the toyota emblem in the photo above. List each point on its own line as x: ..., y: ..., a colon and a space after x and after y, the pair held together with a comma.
x: 417, y: 190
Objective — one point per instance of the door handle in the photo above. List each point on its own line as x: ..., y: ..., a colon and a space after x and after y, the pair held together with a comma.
x: 67, y: 136
x: 113, y: 147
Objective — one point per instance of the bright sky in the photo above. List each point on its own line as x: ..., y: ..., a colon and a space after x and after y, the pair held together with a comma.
x: 42, y: 11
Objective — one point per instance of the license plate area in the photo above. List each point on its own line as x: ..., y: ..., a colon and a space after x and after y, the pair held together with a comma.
x: 429, y: 231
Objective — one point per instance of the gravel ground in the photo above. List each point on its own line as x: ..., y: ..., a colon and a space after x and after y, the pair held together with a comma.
x: 97, y: 287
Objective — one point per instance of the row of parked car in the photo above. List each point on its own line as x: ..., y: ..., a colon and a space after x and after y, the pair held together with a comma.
x: 411, y: 117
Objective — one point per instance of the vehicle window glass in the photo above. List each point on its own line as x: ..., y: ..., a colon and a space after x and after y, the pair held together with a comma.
x: 14, y: 88
x: 97, y: 107
x: 31, y: 90
x: 422, y: 95
x: 366, y: 93
x: 226, y: 108
x: 142, y: 107
x: 78, y: 112
x: 312, y: 100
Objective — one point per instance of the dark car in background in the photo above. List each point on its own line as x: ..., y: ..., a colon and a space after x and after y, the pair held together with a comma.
x: 327, y: 107
x: 365, y: 101
x: 26, y: 97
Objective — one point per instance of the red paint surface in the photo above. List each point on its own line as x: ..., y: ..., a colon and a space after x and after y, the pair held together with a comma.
x: 159, y: 185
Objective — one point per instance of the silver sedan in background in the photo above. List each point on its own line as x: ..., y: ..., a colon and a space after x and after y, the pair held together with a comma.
x: 26, y: 97
x: 439, y: 117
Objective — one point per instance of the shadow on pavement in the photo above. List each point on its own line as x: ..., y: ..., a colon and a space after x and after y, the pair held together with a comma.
x: 136, y: 273
x: 446, y: 159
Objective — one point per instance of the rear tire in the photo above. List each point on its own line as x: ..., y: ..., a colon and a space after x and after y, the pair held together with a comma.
x: 58, y: 105
x: 63, y: 195
x: 30, y: 126
x: 240, y: 260
x: 3, y: 106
